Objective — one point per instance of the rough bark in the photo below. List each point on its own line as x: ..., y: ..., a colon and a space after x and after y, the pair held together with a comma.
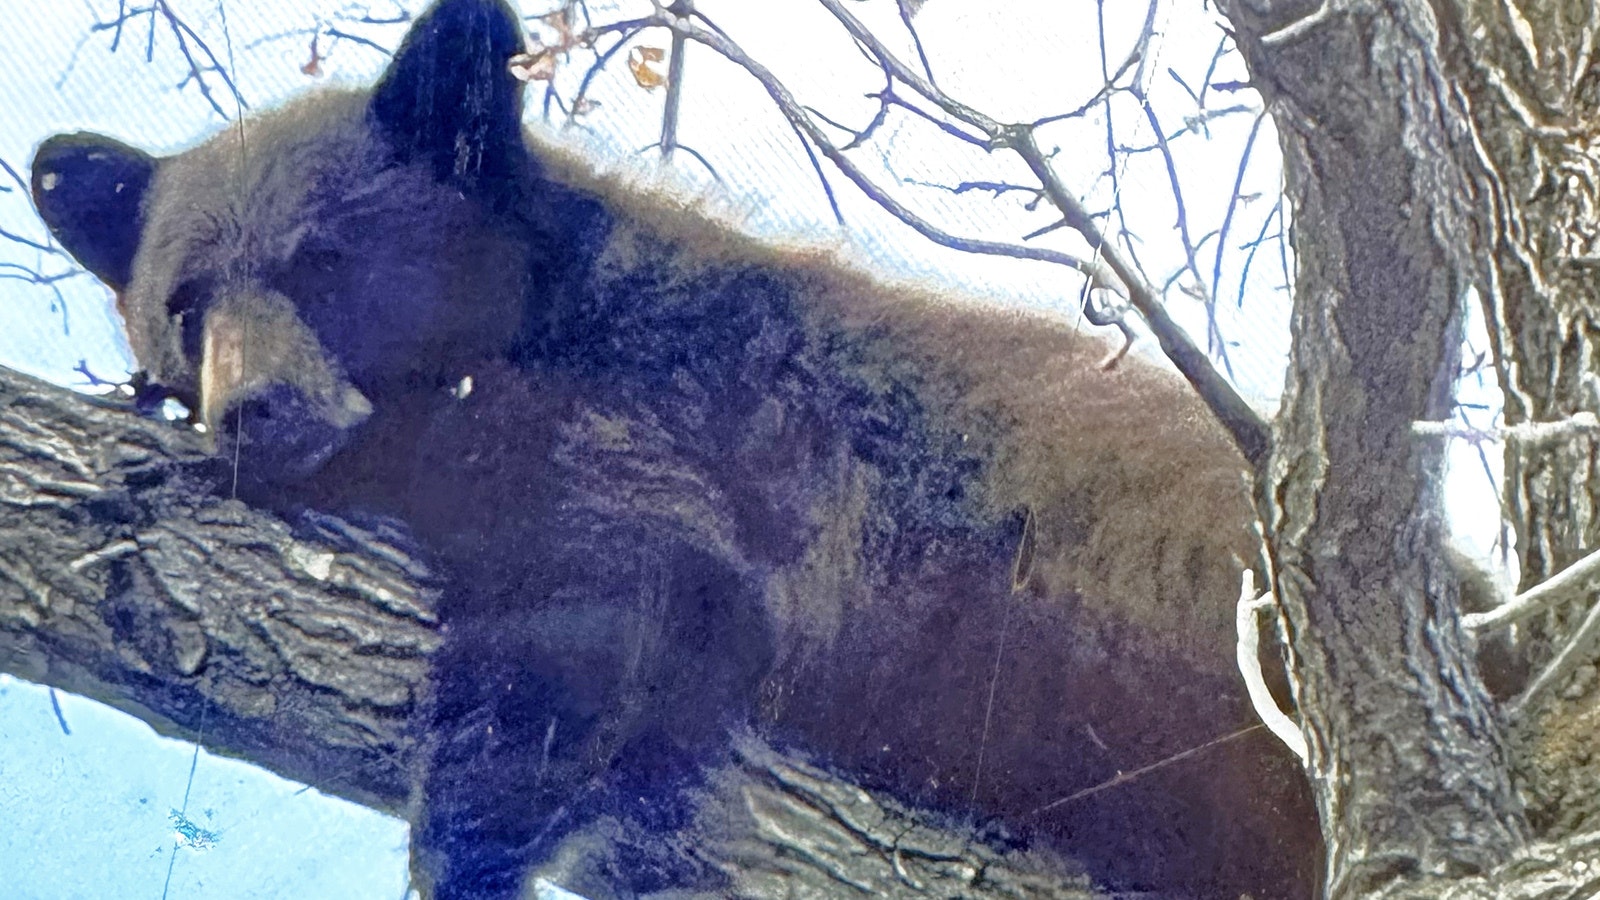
x: 1528, y: 72
x: 125, y: 579
x: 1408, y: 756
x: 1533, y: 92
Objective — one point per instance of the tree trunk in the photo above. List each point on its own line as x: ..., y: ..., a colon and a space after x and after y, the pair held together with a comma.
x: 1527, y: 71
x: 1408, y: 758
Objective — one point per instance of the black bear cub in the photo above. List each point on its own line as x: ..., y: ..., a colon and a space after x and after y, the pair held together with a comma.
x: 684, y: 485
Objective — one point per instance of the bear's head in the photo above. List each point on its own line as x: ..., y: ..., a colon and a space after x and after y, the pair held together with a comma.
x: 304, y: 267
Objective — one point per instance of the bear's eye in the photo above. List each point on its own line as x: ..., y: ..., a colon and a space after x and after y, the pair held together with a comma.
x: 186, y: 309
x: 187, y: 298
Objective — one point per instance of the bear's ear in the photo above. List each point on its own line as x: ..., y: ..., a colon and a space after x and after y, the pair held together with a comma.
x: 449, y: 97
x: 90, y: 191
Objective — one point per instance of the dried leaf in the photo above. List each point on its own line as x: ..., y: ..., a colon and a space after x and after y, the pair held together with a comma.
x: 313, y: 66
x: 561, y: 22
x: 539, y: 65
x: 639, y: 60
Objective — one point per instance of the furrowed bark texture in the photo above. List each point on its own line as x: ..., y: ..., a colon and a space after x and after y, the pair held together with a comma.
x: 1408, y: 757
x: 1534, y: 89
x: 124, y: 579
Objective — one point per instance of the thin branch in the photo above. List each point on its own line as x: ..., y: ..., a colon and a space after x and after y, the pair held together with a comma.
x: 1217, y: 56
x: 341, y: 34
x: 629, y: 30
x: 1233, y: 205
x: 997, y: 188
x: 1113, y: 169
x: 1249, y: 431
x: 1575, y: 582
x: 795, y: 113
x: 908, y: 8
x: 1254, y: 245
x: 946, y: 127
x: 907, y: 75
x: 1530, y: 435
x: 822, y: 175
x: 1191, y: 263
x: 1108, y: 82
x: 189, y: 41
x: 26, y: 242
x: 1248, y: 653
x: 669, y: 114
x: 699, y: 157
x: 1574, y: 652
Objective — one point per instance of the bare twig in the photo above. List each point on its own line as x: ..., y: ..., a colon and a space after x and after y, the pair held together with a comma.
x: 1248, y: 429
x: 1248, y: 652
x: 669, y: 114
x: 1254, y: 245
x: 1531, y: 435
x: 1114, y: 170
x: 1214, y: 341
x: 1108, y: 82
x: 807, y: 125
x: 197, y: 54
x: 45, y: 248
x: 1573, y: 653
x: 1216, y: 57
x: 1246, y: 426
x: 1575, y: 582
x: 1234, y: 200
x: 628, y: 31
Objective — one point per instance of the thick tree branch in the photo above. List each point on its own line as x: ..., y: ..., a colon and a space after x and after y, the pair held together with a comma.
x: 123, y: 579
x: 306, y: 650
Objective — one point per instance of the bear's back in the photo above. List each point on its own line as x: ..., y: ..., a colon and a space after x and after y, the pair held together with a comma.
x: 976, y: 551
x: 680, y: 481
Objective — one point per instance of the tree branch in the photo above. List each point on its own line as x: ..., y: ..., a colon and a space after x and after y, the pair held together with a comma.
x: 125, y: 580
x: 307, y: 650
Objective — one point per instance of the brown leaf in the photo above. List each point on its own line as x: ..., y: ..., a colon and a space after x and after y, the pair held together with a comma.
x: 313, y: 66
x: 561, y: 22
x: 639, y: 60
x: 538, y: 65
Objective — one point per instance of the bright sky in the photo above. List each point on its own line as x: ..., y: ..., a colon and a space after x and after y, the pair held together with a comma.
x: 90, y: 814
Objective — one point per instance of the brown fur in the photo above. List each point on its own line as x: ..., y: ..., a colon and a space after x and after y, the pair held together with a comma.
x: 1131, y: 442
x: 706, y: 483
